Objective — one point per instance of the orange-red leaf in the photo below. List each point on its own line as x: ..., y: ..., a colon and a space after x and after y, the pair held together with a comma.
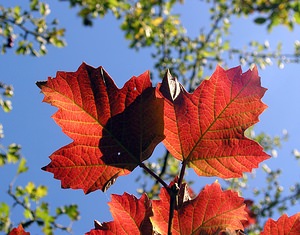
x: 19, y: 231
x: 113, y: 130
x: 283, y: 226
x: 131, y: 216
x: 206, y: 128
x: 211, y: 211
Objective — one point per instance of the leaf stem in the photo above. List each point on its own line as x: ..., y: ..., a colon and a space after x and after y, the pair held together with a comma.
x: 182, y: 171
x: 173, y: 192
x: 159, y: 179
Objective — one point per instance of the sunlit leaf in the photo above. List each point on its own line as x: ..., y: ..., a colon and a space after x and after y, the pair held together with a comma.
x: 131, y: 216
x: 283, y: 226
x: 205, y: 129
x: 211, y: 211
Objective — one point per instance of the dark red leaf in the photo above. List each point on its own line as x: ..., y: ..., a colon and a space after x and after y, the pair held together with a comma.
x: 206, y: 128
x: 283, y: 226
x: 251, y: 216
x: 131, y: 216
x: 113, y: 130
x: 211, y: 212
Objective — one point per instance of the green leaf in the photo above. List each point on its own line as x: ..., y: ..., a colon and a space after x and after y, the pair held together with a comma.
x: 41, y: 191
x: 2, y: 159
x: 17, y: 11
x: 7, y: 106
x: 5, y: 222
x: 57, y: 42
x: 297, y: 17
x: 4, y: 210
x: 20, y: 191
x: 260, y: 20
x: 29, y: 187
x: 13, y: 154
x: 22, y: 166
x: 226, y: 46
x: 34, y: 5
x: 44, y: 9
x: 71, y: 211
x: 27, y: 214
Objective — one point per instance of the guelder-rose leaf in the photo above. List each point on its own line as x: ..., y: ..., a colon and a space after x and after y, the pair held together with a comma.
x: 283, y: 226
x: 131, y: 216
x: 212, y: 211
x: 206, y: 128
x: 113, y: 130
x: 19, y: 231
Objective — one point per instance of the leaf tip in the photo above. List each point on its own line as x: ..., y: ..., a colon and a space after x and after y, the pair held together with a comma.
x: 170, y: 87
x: 44, y: 168
x: 40, y: 84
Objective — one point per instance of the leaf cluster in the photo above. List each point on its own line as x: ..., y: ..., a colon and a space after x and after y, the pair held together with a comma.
x: 116, y: 130
x: 6, y: 93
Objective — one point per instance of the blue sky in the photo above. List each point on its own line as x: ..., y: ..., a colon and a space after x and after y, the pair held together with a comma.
x: 30, y: 123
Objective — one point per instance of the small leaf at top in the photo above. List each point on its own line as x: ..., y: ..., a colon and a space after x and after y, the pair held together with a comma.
x: 113, y: 130
x: 131, y: 216
x: 283, y: 226
x: 206, y: 128
x: 212, y: 211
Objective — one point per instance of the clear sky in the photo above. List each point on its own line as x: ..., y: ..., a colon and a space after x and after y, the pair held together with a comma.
x: 30, y: 123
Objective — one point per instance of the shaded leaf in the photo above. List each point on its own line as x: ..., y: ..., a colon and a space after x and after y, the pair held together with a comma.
x: 212, y: 211
x: 260, y: 20
x: 18, y: 231
x: 131, y: 216
x: 206, y: 129
x: 119, y: 127
x: 283, y: 226
x: 251, y: 216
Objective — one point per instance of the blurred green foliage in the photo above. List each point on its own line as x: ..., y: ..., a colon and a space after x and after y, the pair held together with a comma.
x: 30, y: 198
x: 154, y: 24
x: 27, y: 30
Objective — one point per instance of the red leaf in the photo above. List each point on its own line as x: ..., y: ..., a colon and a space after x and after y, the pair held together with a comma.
x: 283, y: 226
x: 206, y: 128
x: 18, y: 231
x: 131, y: 216
x: 213, y: 210
x: 113, y: 130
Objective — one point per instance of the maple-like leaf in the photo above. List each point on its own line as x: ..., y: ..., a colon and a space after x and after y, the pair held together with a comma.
x: 206, y: 128
x: 131, y: 216
x: 212, y: 211
x: 283, y: 226
x: 113, y: 130
x: 18, y: 231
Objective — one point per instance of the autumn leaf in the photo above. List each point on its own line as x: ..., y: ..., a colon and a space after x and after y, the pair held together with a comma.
x: 113, y: 130
x: 212, y: 211
x: 131, y: 216
x: 205, y: 129
x: 283, y: 226
x: 18, y: 231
